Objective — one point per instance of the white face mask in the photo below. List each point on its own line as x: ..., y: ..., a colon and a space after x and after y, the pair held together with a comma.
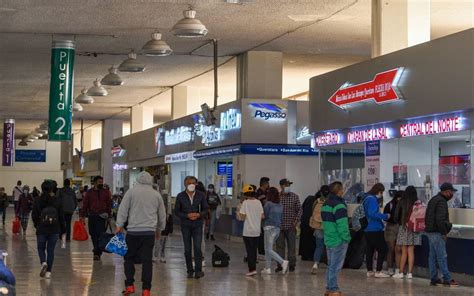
x: 191, y: 187
x: 287, y: 190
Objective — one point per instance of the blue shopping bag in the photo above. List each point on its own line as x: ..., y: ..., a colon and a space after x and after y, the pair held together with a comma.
x: 117, y: 245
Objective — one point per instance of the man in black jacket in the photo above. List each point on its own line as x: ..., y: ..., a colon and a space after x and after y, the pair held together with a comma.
x: 68, y: 198
x: 191, y: 207
x: 437, y: 229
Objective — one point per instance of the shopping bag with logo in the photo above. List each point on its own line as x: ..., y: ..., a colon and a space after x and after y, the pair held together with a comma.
x: 416, y: 223
x: 79, y: 232
x: 105, y: 238
x: 16, y: 226
x: 117, y: 245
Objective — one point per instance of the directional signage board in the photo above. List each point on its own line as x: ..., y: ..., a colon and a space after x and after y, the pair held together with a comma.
x: 382, y: 89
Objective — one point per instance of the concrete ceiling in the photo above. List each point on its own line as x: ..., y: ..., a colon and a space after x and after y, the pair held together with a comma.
x: 340, y: 37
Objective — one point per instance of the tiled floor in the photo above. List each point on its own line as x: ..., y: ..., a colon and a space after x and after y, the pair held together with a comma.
x: 75, y: 273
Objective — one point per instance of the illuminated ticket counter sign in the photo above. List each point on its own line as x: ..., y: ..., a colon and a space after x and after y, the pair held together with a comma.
x: 327, y: 139
x: 374, y: 134
x: 431, y: 127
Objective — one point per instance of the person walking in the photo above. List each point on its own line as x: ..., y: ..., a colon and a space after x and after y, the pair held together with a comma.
x: 191, y: 207
x: 335, y: 223
x: 315, y: 223
x: 214, y: 201
x: 374, y: 232
x: 273, y: 214
x: 69, y: 201
x: 80, y: 196
x: 406, y: 239
x: 252, y: 214
x: 262, y: 197
x: 48, y: 218
x: 17, y: 191
x: 160, y: 245
x: 391, y: 234
x: 437, y: 228
x: 291, y: 216
x: 25, y: 204
x: 143, y: 209
x: 97, y: 207
x: 307, y: 242
x: 4, y: 203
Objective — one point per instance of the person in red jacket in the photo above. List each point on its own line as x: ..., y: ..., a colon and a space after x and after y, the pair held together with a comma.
x: 97, y: 206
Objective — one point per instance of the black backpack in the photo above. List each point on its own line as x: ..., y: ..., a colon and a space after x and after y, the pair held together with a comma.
x: 49, y: 216
x: 220, y: 258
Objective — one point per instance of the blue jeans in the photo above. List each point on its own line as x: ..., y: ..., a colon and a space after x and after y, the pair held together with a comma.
x: 438, y: 255
x: 336, y: 258
x: 318, y: 251
x: 47, y: 243
x: 3, y: 211
x: 212, y: 222
x: 271, y: 234
x: 192, y: 239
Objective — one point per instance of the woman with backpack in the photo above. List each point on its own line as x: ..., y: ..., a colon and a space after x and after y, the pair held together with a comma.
x: 48, y: 218
x: 25, y: 204
x: 406, y: 238
x: 316, y: 223
x: 213, y: 200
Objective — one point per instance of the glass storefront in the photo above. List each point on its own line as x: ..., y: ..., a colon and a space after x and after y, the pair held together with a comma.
x: 424, y: 162
x: 217, y: 171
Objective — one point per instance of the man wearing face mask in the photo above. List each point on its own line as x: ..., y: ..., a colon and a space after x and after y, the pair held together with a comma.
x: 213, y: 200
x: 292, y: 212
x: 97, y: 206
x: 191, y: 208
x: 437, y: 228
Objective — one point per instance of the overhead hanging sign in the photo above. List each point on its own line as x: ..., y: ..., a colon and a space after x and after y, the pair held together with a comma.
x: 382, y: 89
x: 8, y: 142
x: 61, y: 90
x: 30, y: 155
x: 118, y: 151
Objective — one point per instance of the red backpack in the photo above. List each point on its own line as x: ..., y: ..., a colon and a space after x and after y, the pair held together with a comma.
x: 416, y: 223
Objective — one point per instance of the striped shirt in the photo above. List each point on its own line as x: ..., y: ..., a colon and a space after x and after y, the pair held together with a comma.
x: 335, y: 222
x: 291, y: 210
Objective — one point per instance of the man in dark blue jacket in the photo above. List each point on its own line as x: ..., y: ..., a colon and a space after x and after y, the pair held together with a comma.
x: 191, y: 207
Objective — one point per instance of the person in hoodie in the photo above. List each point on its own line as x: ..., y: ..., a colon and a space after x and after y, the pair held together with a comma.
x: 143, y: 208
x: 68, y: 198
x: 374, y: 232
x: 48, y: 218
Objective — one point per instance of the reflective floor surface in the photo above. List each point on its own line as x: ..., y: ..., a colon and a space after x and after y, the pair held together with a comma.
x: 75, y: 273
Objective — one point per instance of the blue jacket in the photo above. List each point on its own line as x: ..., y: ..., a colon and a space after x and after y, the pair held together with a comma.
x: 183, y: 207
x: 373, y: 215
x: 273, y: 214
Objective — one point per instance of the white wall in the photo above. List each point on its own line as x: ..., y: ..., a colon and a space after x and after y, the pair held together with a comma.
x: 34, y: 173
x: 179, y: 171
x: 304, y: 172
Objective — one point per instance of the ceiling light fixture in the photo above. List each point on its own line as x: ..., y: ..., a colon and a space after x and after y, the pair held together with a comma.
x: 42, y: 131
x: 156, y: 46
x: 32, y: 137
x: 112, y: 78
x: 77, y: 107
x: 37, y: 134
x: 131, y: 64
x: 97, y: 90
x: 29, y: 140
x: 189, y: 26
x: 83, y: 98
x: 23, y: 143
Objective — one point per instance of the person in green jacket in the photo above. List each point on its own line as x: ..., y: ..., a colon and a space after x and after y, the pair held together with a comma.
x: 336, y: 235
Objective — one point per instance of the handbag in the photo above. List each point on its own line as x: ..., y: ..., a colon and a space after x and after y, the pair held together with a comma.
x: 16, y: 226
x: 105, y: 238
x: 79, y: 232
x: 117, y: 245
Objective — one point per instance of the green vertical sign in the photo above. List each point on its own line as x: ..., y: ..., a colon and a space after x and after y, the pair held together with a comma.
x: 61, y: 90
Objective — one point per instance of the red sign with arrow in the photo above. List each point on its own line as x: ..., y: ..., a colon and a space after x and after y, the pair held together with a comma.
x: 382, y: 89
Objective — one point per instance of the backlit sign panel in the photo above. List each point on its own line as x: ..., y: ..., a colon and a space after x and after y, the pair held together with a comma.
x: 330, y: 138
x: 269, y: 112
x: 431, y: 127
x: 178, y: 135
x: 373, y: 134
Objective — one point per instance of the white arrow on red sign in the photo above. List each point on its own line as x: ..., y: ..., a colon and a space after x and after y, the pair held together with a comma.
x: 382, y: 89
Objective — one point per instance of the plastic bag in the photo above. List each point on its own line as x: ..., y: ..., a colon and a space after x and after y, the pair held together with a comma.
x: 79, y: 232
x: 16, y: 226
x: 105, y: 238
x: 117, y: 245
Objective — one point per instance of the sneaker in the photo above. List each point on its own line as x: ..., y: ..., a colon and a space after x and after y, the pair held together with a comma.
x: 44, y: 266
x: 266, y: 271
x: 314, y: 269
x: 203, y: 263
x: 381, y: 275
x: 451, y: 283
x: 96, y: 258
x: 438, y: 282
x: 47, y: 275
x: 284, y: 266
x: 163, y: 260
x: 251, y: 273
x: 190, y: 275
x: 409, y: 276
x: 213, y: 238
x: 154, y: 259
x: 292, y: 269
x: 129, y: 290
x: 398, y: 276
x: 146, y: 292
x: 390, y: 272
x: 278, y: 269
x: 370, y: 274
x: 198, y: 275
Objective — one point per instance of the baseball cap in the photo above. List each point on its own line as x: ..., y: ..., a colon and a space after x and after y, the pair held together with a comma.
x: 248, y: 189
x: 448, y: 186
x: 285, y: 181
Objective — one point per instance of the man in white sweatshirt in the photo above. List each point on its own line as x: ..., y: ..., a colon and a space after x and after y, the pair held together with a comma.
x: 143, y: 210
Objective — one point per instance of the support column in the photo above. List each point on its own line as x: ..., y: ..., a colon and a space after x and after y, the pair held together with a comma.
x: 397, y: 24
x: 92, y: 139
x: 142, y: 118
x: 187, y: 100
x: 111, y: 129
x: 259, y: 75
